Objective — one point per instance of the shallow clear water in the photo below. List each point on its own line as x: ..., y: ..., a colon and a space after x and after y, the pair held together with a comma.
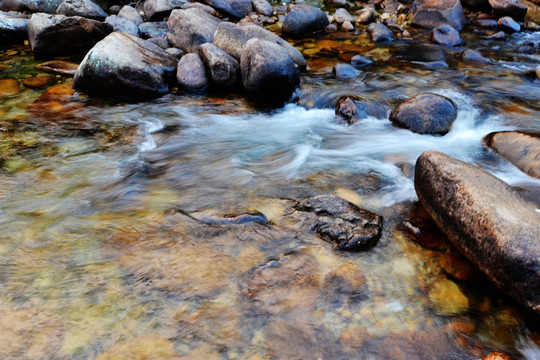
x: 100, y: 255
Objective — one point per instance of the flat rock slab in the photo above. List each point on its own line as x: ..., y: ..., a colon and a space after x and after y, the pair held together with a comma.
x: 59, y: 67
x: 123, y: 65
x: 51, y: 35
x: 342, y: 223
x: 496, y: 229
x: 520, y: 148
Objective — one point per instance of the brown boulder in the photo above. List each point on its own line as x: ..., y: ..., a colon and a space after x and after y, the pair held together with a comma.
x: 487, y: 221
x: 520, y: 148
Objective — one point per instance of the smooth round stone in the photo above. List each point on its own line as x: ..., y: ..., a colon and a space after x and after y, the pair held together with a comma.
x: 360, y: 61
x: 447, y: 298
x: 39, y: 81
x: 471, y: 55
x: 446, y: 35
x: 508, y: 24
x: 9, y: 87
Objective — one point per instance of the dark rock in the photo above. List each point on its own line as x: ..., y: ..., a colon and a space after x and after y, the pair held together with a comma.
x: 159, y: 41
x: 115, y: 9
x: 477, y: 4
x: 123, y: 65
x: 425, y: 114
x: 59, y: 34
x: 207, y: 9
x: 531, y: 26
x: 268, y: 69
x: 331, y: 28
x: 153, y: 29
x: 336, y: 3
x: 130, y: 13
x: 262, y: 7
x: 510, y: 8
x: 158, y: 9
x: 189, y: 29
x: 40, y: 6
x: 432, y: 13
x: 345, y: 71
x: 352, y: 110
x: 191, y: 74
x: 445, y: 35
x: 232, y: 38
x: 122, y: 25
x: 304, y: 20
x: 508, y: 24
x: 474, y: 56
x: 379, y: 33
x: 527, y: 49
x: 498, y: 36
x: 366, y: 16
x: 520, y: 148
x: 234, y: 8
x: 489, y: 24
x: 421, y: 54
x: 12, y: 29
x: 360, y: 61
x: 59, y: 67
x: 486, y: 220
x: 84, y: 8
x: 342, y: 223
x: 222, y: 67
x: 341, y: 15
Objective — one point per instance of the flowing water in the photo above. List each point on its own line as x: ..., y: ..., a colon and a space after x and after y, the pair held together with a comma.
x: 101, y: 254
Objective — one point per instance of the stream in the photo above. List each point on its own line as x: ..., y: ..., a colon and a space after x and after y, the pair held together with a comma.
x: 102, y: 255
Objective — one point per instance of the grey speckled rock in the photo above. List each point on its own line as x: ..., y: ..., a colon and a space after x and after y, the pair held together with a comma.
x: 188, y: 29
x: 158, y: 9
x: 123, y: 65
x: 12, y: 29
x: 224, y: 70
x: 268, y: 69
x: 130, y: 13
x: 304, y: 20
x: 153, y: 29
x: 191, y: 74
x: 45, y: 6
x: 379, y: 33
x: 425, y: 114
x: 59, y: 34
x: 122, y: 25
x: 487, y: 221
x: 84, y: 8
x: 432, y: 13
x: 232, y: 38
x: 262, y: 7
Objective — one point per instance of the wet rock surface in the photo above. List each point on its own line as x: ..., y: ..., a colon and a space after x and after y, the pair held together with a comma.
x: 520, y: 148
x: 58, y: 34
x: 59, y: 67
x: 304, y: 20
x: 351, y: 110
x: 433, y: 13
x: 342, y: 223
x: 474, y: 56
x: 425, y: 114
x: 445, y: 35
x: 124, y: 65
x: 486, y: 220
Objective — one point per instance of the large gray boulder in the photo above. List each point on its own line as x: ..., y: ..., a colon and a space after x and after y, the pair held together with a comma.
x: 432, y: 13
x: 304, y: 20
x: 268, y: 69
x: 188, y: 29
x: 12, y: 29
x: 123, y: 25
x: 123, y: 65
x: 84, y: 8
x: 486, y: 220
x: 158, y: 9
x: 191, y: 74
x: 520, y: 148
x: 425, y: 114
x: 223, y: 69
x: 510, y: 8
x: 234, y: 8
x: 58, y: 34
x: 45, y: 6
x: 232, y: 38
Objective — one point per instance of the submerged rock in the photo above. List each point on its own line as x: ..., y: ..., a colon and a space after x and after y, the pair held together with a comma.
x: 12, y: 29
x: 268, y: 69
x: 345, y: 71
x: 510, y: 8
x: 360, y: 61
x: 232, y: 38
x: 352, y: 110
x: 487, y: 221
x: 59, y: 34
x: 380, y: 33
x: 59, y: 67
x: 447, y: 298
x: 425, y: 114
x: 123, y: 65
x: 445, y: 35
x: 39, y: 81
x: 498, y: 36
x: 304, y: 20
x: 342, y: 223
x: 191, y: 74
x: 9, y: 87
x: 520, y: 148
x: 433, y: 13
x: 189, y: 29
x: 84, y: 8
x: 223, y: 68
x: 474, y: 56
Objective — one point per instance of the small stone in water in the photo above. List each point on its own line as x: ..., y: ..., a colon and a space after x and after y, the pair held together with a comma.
x: 9, y: 87
x: 447, y: 298
x: 501, y: 35
x: 508, y: 24
x: 331, y: 28
x: 39, y: 81
x: 347, y: 26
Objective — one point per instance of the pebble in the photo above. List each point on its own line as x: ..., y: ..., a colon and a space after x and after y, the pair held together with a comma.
x: 347, y: 26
